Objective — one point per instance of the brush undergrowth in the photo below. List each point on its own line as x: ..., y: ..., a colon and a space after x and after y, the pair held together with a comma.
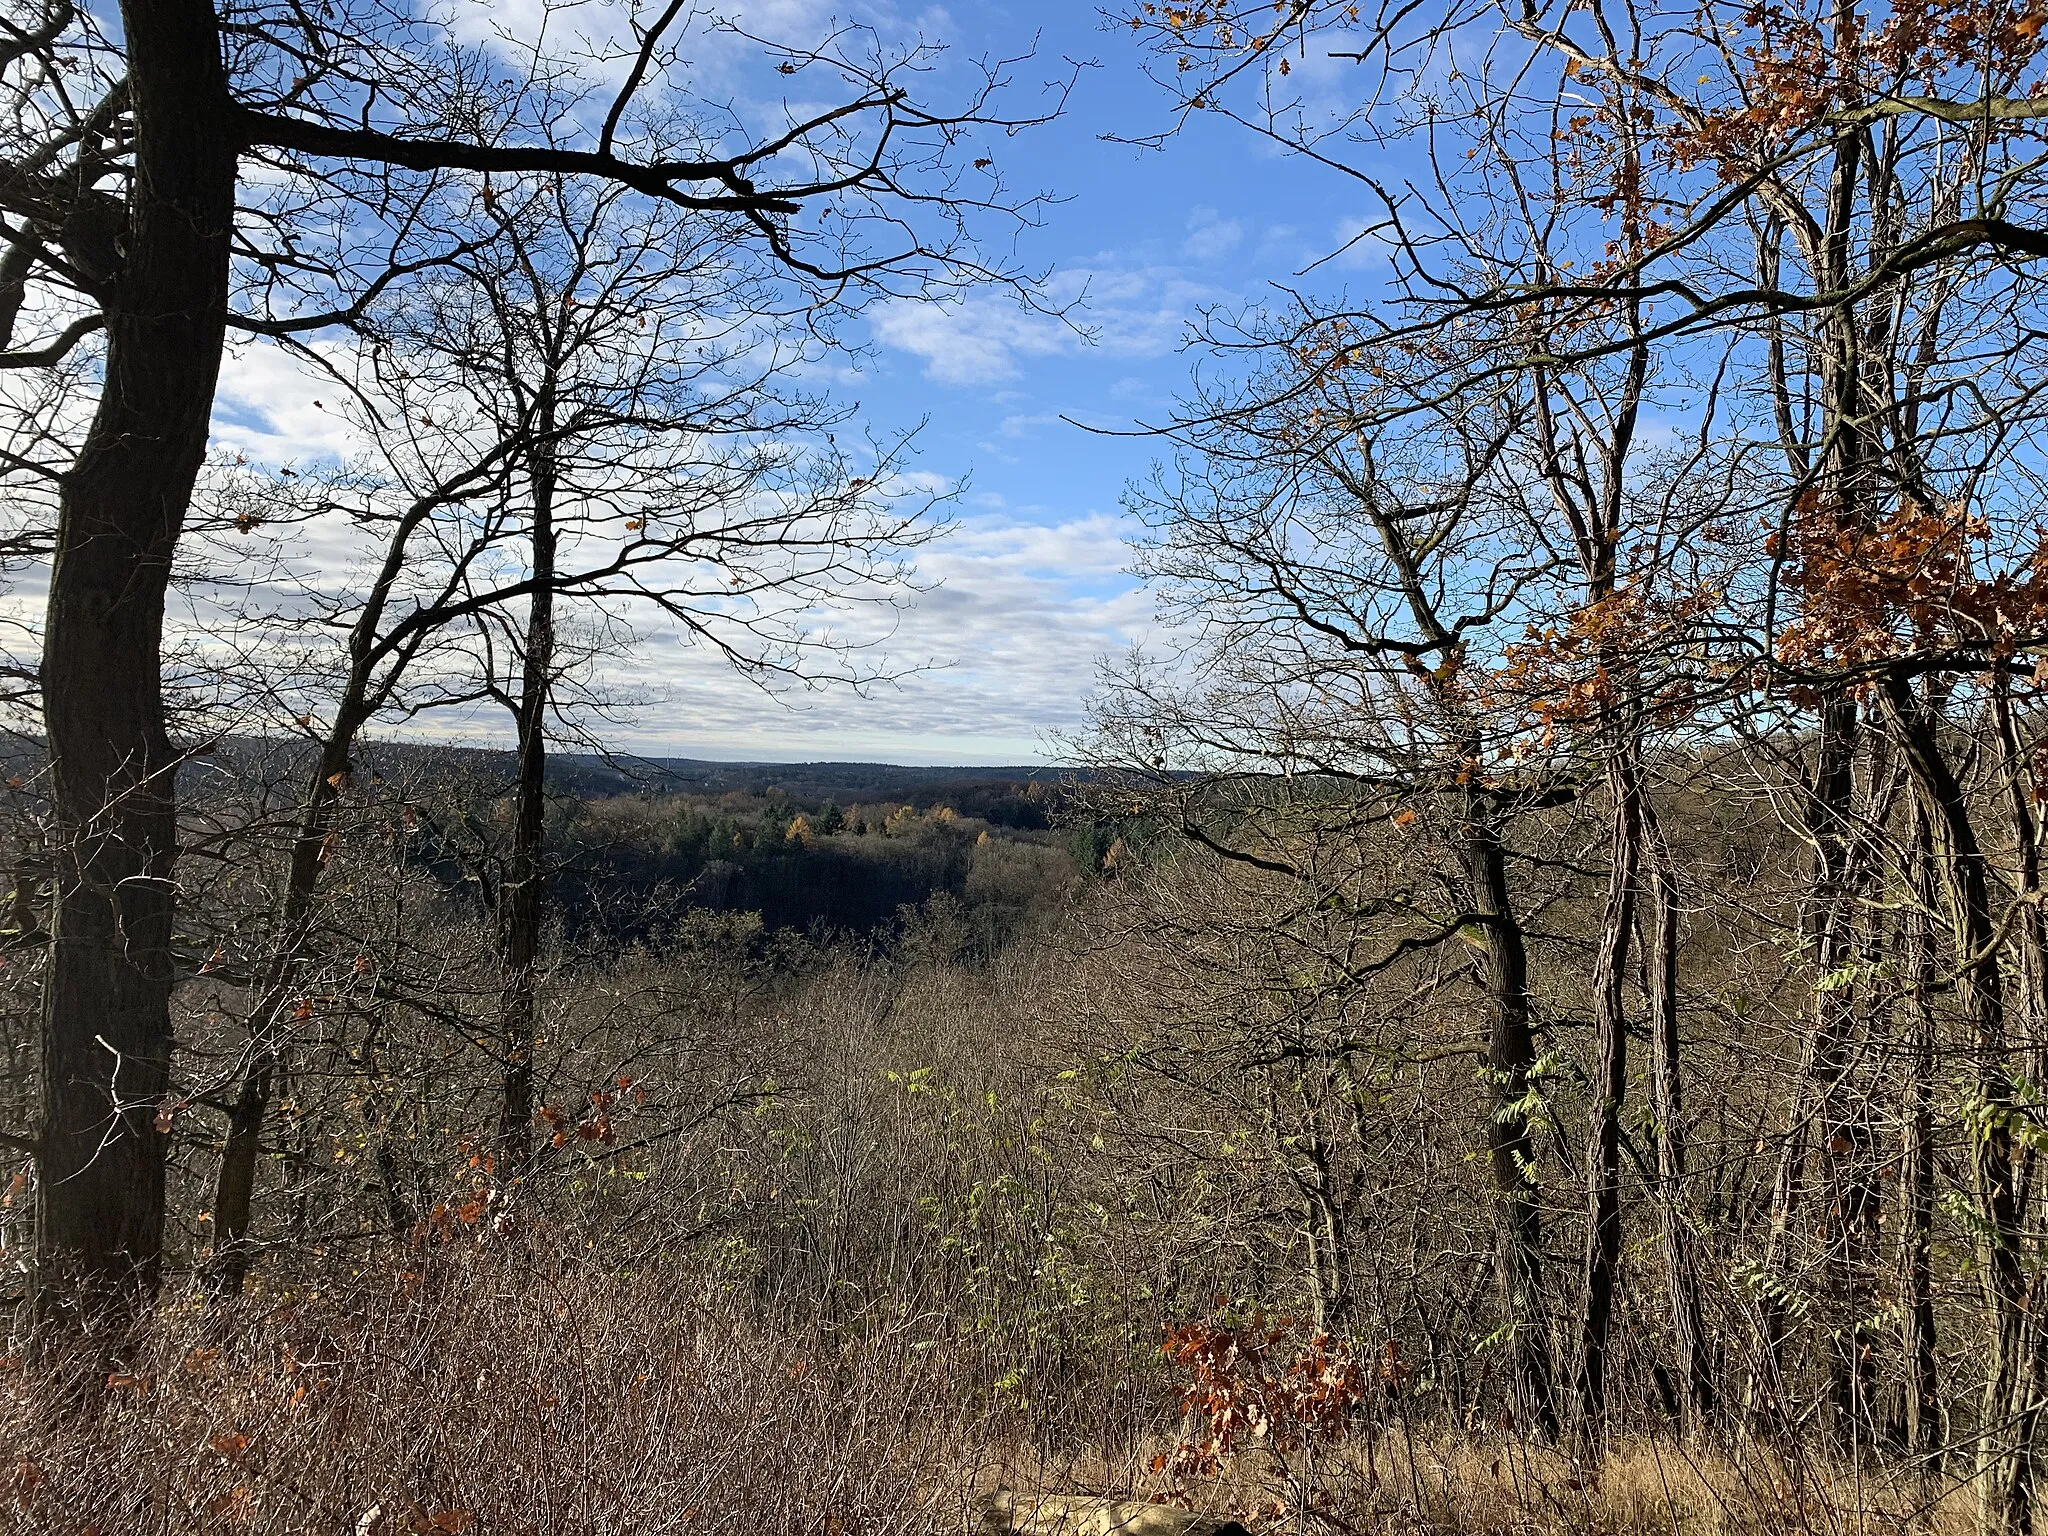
x: 538, y: 1395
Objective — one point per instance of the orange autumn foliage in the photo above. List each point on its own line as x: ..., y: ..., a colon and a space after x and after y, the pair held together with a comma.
x: 1572, y: 672
x: 1874, y: 588
x: 1798, y: 71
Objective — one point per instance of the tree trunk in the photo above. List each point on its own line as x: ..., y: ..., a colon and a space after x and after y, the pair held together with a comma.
x: 235, y: 1181
x: 2005, y: 1431
x: 525, y: 874
x: 1328, y: 1247
x: 1510, y: 1057
x: 1667, y: 1092
x: 1830, y: 939
x: 1921, y: 1427
x: 2031, y: 946
x: 1607, y: 1088
x: 106, y: 1003
x: 1855, y: 1207
x: 1854, y: 1192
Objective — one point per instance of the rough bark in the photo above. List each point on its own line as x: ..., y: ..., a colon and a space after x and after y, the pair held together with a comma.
x: 1853, y: 1206
x: 1854, y: 1213
x: 1608, y: 1086
x: 1329, y: 1245
x: 1829, y: 935
x: 525, y: 880
x: 2007, y: 1422
x: 2029, y: 1032
x: 106, y: 1010
x: 1921, y: 1425
x: 1511, y: 1056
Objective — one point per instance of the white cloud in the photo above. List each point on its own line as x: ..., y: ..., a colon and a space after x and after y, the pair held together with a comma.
x: 1007, y: 632
x: 1359, y: 243
x: 968, y: 341
x: 999, y: 643
x: 1125, y: 311
x: 1025, y: 426
x: 1210, y: 237
x: 278, y: 409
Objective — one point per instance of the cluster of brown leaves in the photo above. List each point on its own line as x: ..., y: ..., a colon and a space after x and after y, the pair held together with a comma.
x: 1566, y: 675
x: 1254, y: 1383
x: 595, y: 1122
x: 1225, y: 28
x: 464, y: 1210
x: 1872, y: 588
x: 1922, y: 38
x: 1799, y: 70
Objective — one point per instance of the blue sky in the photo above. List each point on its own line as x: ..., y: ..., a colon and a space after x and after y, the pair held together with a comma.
x: 1028, y: 591
x: 1145, y: 238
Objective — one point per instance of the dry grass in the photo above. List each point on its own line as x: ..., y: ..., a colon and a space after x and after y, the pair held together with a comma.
x: 536, y: 1396
x: 490, y: 1396
x: 1396, y: 1484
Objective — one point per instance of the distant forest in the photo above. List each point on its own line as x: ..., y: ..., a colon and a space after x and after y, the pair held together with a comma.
x: 824, y: 848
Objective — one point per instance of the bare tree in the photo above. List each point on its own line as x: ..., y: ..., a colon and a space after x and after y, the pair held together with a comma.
x: 1814, y: 227
x: 590, y: 407
x: 1344, y: 591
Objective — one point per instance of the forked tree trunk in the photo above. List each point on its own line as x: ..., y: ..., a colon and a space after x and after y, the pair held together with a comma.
x: 106, y: 1029
x: 235, y: 1180
x: 1329, y: 1244
x: 1511, y: 1056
